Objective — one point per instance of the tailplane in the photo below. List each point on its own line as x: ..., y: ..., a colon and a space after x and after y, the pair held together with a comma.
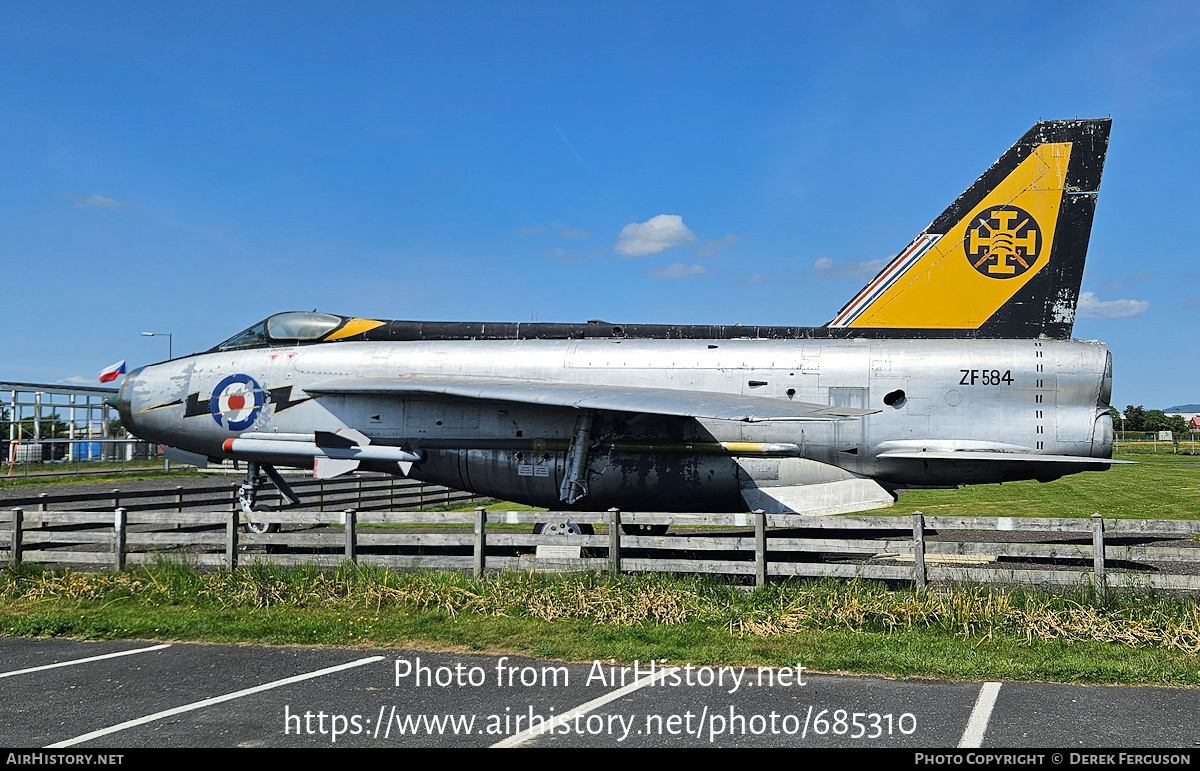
x: 1006, y: 258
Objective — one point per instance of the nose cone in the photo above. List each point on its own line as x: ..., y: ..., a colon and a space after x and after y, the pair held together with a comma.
x: 122, y: 400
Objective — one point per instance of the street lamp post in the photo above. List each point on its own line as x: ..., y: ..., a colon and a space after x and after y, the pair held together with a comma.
x: 161, y: 334
x: 170, y: 355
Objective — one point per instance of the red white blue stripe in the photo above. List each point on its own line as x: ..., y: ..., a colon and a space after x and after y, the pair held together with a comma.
x: 109, y: 374
x: 886, y: 278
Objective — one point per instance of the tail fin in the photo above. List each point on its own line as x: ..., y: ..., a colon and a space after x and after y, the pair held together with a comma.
x: 1006, y: 258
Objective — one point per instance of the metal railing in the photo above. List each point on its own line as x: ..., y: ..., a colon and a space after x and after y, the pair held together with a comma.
x: 29, y: 457
x: 1149, y: 441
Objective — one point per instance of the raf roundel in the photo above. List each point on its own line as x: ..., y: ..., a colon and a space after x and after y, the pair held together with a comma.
x: 236, y: 402
x: 1003, y: 241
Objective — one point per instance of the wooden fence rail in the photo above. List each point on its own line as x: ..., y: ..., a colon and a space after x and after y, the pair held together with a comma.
x: 362, y: 492
x: 776, y: 546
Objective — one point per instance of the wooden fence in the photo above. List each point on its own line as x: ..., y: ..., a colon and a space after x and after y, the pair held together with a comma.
x: 362, y: 492
x: 809, y: 546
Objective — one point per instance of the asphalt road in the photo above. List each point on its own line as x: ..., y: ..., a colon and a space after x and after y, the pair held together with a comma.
x: 192, y: 695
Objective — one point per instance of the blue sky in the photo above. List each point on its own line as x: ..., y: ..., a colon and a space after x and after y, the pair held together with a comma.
x: 194, y: 168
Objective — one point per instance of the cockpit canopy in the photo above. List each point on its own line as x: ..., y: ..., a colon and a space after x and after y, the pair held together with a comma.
x: 289, y: 328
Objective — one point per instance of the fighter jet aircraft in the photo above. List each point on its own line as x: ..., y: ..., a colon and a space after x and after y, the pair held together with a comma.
x: 954, y: 365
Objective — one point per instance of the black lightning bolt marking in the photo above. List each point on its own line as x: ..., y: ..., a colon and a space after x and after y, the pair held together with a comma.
x: 282, y: 398
x: 175, y: 403
x: 196, y: 406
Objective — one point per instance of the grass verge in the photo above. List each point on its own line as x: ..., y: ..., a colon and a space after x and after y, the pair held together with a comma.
x: 10, y: 482
x: 966, y: 632
x: 1159, y: 486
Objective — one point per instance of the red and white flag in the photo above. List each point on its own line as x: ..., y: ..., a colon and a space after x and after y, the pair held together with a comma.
x: 109, y: 374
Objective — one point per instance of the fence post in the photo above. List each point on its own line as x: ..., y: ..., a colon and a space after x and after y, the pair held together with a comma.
x: 614, y: 541
x: 480, y: 539
x: 17, y: 516
x: 231, y: 539
x: 178, y: 507
x: 119, y: 520
x: 360, y: 492
x: 350, y: 520
x: 116, y: 498
x: 41, y: 501
x: 1098, y: 550
x: 760, y: 548
x: 919, y: 576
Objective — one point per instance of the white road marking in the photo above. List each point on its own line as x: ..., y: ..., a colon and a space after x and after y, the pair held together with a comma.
x: 978, y: 723
x: 210, y: 702
x: 73, y: 662
x: 516, y: 740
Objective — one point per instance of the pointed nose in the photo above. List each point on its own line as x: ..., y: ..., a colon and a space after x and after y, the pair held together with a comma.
x: 121, y: 400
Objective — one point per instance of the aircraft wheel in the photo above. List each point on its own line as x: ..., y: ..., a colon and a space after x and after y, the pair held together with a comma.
x: 644, y: 529
x: 261, y: 527
x: 563, y: 528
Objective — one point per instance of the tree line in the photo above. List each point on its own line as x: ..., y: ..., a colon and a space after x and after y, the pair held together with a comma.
x: 1140, y: 419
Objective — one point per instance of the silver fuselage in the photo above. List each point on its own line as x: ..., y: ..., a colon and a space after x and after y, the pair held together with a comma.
x: 1047, y: 397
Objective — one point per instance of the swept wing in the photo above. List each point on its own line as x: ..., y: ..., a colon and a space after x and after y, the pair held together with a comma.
x: 619, y: 398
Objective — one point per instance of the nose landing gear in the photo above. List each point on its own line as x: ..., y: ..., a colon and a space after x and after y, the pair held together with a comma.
x: 248, y: 495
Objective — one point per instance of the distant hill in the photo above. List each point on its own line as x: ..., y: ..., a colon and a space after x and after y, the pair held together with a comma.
x: 1183, y: 408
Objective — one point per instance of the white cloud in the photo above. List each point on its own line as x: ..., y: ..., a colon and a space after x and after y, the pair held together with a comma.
x: 1091, y: 308
x: 566, y: 231
x: 77, y: 380
x: 657, y: 234
x: 679, y: 270
x: 98, y: 200
x: 712, y: 247
x: 827, y: 267
x: 760, y: 278
x: 561, y: 229
x: 1133, y: 279
x: 575, y: 256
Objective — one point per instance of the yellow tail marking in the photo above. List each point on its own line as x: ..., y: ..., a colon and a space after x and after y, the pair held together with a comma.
x: 984, y: 258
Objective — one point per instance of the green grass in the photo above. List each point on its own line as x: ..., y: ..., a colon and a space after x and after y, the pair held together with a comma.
x: 1161, y: 486
x: 490, y: 504
x: 960, y: 632
x: 9, y: 482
